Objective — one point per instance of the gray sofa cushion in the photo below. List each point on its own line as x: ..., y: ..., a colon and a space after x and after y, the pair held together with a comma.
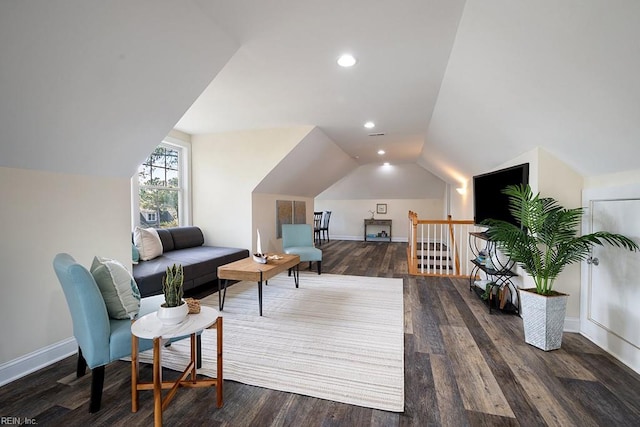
x: 166, y: 239
x: 186, y: 237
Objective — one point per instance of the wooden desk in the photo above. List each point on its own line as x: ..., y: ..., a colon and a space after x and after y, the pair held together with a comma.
x: 150, y: 327
x: 248, y: 269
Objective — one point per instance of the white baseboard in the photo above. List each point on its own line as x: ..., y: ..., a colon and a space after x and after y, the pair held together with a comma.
x: 24, y: 365
x: 361, y: 238
x: 572, y: 324
x: 332, y: 237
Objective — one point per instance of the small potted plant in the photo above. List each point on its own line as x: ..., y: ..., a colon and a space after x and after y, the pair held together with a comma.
x: 174, y: 310
x: 543, y: 244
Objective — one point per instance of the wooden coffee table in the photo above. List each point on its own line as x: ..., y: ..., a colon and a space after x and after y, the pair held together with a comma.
x: 248, y: 269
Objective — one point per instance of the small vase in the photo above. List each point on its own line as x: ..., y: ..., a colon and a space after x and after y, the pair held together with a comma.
x: 172, y: 315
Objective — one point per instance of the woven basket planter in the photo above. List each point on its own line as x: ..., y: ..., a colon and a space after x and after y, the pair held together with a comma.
x: 543, y: 318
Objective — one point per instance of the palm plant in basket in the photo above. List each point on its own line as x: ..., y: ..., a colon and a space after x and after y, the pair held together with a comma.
x: 543, y: 245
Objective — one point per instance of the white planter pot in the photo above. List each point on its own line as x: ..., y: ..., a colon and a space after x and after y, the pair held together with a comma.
x: 173, y: 315
x: 543, y: 318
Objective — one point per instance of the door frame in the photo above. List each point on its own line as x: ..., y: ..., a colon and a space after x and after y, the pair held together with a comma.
x: 608, y: 340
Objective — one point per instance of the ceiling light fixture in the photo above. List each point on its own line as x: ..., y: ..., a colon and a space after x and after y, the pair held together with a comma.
x: 369, y: 125
x: 381, y: 152
x: 346, y: 60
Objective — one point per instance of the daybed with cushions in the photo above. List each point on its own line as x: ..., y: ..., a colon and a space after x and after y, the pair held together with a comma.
x: 161, y: 248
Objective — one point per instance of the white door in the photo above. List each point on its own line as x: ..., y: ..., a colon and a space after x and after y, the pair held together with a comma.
x: 610, y: 289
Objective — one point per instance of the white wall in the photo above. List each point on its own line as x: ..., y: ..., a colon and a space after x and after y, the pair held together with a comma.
x: 43, y: 214
x: 403, y: 187
x: 401, y: 181
x: 347, y: 216
x: 227, y: 167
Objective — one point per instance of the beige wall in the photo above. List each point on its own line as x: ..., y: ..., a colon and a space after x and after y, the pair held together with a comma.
x: 460, y: 205
x: 226, y: 169
x: 43, y: 214
x: 552, y: 178
x: 347, y: 216
x: 614, y: 179
x: 264, y: 219
x: 556, y: 179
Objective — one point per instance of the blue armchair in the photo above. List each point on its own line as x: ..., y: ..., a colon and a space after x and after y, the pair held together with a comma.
x: 298, y: 239
x: 101, y: 340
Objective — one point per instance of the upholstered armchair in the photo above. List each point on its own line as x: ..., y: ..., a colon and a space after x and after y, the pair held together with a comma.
x: 298, y: 239
x: 100, y: 338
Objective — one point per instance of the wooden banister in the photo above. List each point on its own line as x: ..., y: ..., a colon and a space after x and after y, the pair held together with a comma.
x: 445, y: 256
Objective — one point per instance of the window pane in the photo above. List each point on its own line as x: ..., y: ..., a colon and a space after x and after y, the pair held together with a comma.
x: 157, y: 177
x: 172, y: 178
x: 159, y: 188
x: 161, y: 169
x: 158, y: 208
x: 158, y: 157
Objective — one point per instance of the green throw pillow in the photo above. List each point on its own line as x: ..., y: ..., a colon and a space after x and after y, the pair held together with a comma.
x: 119, y: 290
x: 135, y: 254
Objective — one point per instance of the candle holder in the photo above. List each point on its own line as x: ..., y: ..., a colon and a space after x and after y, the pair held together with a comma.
x: 260, y: 258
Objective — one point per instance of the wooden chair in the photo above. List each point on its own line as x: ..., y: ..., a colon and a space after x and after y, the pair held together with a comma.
x: 324, y: 228
x: 317, y: 225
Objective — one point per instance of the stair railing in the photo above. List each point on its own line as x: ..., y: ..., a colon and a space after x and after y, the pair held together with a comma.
x: 439, y: 247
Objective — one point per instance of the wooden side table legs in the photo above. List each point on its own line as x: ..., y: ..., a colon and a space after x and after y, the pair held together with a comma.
x: 188, y: 378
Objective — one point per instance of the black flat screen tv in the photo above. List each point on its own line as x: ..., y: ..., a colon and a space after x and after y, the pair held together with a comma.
x: 488, y: 199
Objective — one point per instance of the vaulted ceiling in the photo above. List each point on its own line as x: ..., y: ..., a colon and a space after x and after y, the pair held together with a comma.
x: 455, y: 86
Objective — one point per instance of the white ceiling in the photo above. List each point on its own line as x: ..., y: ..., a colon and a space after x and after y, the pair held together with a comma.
x: 563, y: 75
x: 457, y: 87
x: 458, y: 96
x: 285, y: 72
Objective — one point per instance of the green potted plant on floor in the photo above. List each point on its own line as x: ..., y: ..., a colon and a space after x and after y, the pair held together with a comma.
x: 543, y: 244
x: 174, y: 310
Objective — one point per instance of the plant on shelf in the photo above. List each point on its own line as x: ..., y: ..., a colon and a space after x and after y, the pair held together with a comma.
x: 543, y: 244
x: 487, y: 291
x: 174, y: 309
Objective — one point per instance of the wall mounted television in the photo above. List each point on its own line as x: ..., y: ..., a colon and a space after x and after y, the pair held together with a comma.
x: 488, y: 199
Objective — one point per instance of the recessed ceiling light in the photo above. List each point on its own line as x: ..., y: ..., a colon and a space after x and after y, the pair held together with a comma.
x: 369, y: 125
x: 381, y: 152
x: 346, y: 60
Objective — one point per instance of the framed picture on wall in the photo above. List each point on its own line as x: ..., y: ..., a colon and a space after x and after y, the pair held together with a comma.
x: 381, y: 208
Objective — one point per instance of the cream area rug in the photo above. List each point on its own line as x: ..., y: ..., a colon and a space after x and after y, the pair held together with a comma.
x: 335, y: 337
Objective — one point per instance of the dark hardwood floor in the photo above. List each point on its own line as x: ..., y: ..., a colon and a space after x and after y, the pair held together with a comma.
x: 462, y: 367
